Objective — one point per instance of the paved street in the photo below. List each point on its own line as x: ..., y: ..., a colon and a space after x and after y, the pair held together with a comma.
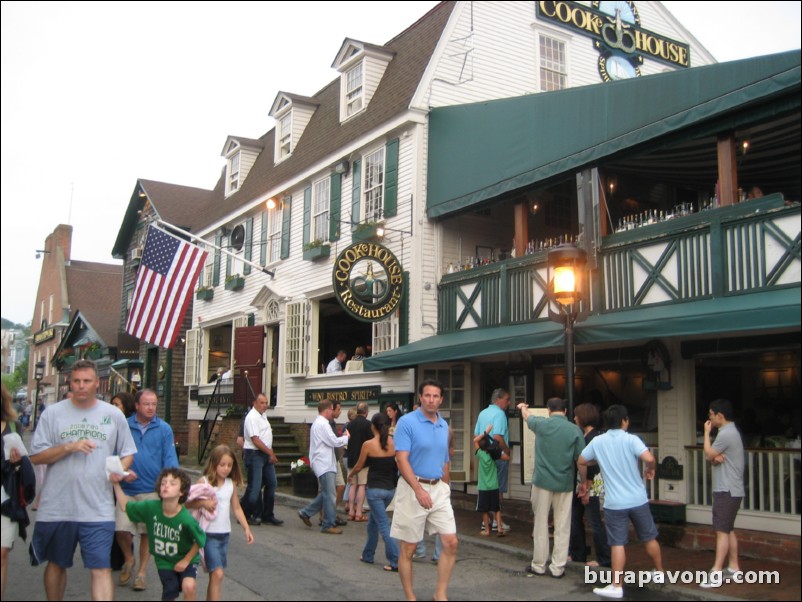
x: 293, y: 562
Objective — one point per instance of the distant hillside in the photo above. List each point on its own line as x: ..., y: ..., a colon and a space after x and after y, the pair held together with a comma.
x: 9, y: 325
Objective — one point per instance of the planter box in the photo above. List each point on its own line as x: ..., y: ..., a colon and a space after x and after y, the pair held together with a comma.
x: 204, y: 295
x: 365, y: 232
x: 235, y: 284
x: 304, y: 484
x: 317, y: 252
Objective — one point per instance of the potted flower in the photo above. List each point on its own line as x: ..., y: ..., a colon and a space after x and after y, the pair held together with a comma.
x: 304, y: 481
x: 66, y: 357
x: 204, y: 293
x: 234, y: 282
x: 316, y: 249
x: 365, y: 231
x: 93, y: 351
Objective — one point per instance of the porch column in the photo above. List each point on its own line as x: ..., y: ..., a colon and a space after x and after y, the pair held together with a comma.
x: 521, y: 228
x: 727, y: 170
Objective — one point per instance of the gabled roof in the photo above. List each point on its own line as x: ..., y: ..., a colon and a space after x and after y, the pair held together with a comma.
x: 242, y: 142
x: 351, y: 48
x: 172, y: 203
x: 284, y: 98
x: 324, y: 134
x: 95, y: 290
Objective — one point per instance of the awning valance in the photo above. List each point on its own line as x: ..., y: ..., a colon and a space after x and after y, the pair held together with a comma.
x: 776, y: 310
x: 481, y: 151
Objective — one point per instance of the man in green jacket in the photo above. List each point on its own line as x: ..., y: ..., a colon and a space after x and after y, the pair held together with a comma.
x: 558, y: 444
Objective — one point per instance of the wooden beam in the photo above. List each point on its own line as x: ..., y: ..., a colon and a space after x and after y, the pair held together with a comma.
x: 521, y: 228
x: 727, y: 170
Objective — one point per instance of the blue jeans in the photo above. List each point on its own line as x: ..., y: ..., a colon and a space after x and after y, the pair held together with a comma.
x: 378, y: 500
x: 260, y: 473
x: 576, y: 549
x: 326, y: 499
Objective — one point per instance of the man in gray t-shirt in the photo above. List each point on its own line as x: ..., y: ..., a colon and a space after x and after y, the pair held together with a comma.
x: 726, y: 454
x: 74, y: 438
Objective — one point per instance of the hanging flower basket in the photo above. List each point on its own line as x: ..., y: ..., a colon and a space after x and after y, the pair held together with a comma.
x: 235, y: 283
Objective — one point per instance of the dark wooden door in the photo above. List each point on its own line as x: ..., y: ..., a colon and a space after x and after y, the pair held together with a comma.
x: 248, y: 363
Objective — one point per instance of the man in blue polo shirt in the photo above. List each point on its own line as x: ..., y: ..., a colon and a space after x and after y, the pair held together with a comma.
x: 617, y: 453
x: 423, y: 496
x: 155, y: 446
x: 496, y: 414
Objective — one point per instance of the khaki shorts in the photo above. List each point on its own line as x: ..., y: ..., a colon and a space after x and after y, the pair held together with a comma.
x: 410, y: 519
x: 339, y: 479
x: 360, y: 478
x: 8, y: 531
x: 121, y: 522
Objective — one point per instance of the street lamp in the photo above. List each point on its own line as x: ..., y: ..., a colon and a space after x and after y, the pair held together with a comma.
x: 566, y: 276
x: 38, y: 375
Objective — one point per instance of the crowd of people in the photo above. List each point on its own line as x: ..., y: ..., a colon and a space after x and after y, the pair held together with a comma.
x: 98, y: 453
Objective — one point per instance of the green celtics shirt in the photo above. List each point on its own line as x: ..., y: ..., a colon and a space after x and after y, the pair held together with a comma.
x: 170, y: 538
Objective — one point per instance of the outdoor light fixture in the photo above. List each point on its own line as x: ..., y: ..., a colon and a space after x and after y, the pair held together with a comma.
x: 566, y: 274
x: 40, y: 252
x: 341, y: 167
x: 38, y: 375
x: 271, y: 203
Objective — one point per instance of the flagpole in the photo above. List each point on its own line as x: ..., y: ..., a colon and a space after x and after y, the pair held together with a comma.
x: 183, y: 232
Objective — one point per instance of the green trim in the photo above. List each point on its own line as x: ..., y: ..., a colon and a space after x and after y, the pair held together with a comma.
x: 263, y: 241
x: 307, y: 214
x: 356, y: 192
x: 335, y: 205
x: 248, y: 251
x: 216, y: 274
x: 391, y: 179
x: 286, y: 214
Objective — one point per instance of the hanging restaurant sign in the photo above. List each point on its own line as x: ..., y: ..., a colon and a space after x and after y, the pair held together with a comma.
x: 617, y: 34
x: 368, y: 281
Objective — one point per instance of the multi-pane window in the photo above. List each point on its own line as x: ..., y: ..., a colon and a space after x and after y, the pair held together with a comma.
x: 320, y: 209
x: 354, y: 90
x: 374, y: 185
x: 552, y: 64
x: 273, y: 234
x: 233, y: 173
x: 295, y: 352
x: 285, y: 135
x: 385, y: 334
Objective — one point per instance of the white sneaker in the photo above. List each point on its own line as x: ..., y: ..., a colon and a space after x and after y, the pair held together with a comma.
x: 728, y: 572
x: 504, y: 526
x: 611, y: 591
x: 714, y: 579
x: 658, y: 577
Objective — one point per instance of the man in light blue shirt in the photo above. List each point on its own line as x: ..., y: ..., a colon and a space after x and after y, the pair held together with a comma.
x: 617, y: 453
x: 496, y: 414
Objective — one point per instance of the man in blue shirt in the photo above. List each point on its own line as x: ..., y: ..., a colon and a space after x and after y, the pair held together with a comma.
x: 155, y: 446
x: 617, y: 453
x: 496, y: 414
x: 423, y: 496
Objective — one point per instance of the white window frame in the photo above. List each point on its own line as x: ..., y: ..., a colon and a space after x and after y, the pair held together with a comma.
x: 552, y: 70
x: 296, y: 345
x: 373, y: 185
x: 354, y: 92
x: 274, y: 219
x: 191, y: 357
x: 285, y: 135
x: 233, y: 172
x: 385, y: 334
x: 321, y: 205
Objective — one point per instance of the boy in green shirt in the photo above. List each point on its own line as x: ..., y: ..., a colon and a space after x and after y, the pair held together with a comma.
x: 174, y: 536
x: 488, y: 500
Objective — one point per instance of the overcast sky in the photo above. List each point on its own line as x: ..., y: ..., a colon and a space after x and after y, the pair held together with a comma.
x: 96, y: 95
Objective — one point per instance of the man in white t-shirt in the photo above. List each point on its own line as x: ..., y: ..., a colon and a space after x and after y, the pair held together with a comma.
x: 260, y: 461
x: 74, y: 438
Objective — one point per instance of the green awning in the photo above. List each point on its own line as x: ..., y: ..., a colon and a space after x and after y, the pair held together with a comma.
x: 766, y: 311
x: 480, y: 151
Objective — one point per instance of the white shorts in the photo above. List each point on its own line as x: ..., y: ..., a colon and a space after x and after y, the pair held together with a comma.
x: 8, y: 532
x: 339, y: 479
x: 121, y: 522
x: 410, y: 519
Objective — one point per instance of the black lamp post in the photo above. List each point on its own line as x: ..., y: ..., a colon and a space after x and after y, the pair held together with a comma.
x: 38, y: 375
x: 566, y: 266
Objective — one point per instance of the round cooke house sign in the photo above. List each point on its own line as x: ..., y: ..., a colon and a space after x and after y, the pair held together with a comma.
x: 368, y: 281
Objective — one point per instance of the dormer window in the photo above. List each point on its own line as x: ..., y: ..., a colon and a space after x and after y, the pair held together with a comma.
x: 285, y: 135
x: 233, y: 173
x: 354, y: 90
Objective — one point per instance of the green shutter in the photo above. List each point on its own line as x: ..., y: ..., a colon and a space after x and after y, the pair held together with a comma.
x: 248, y: 244
x: 218, y: 239
x: 391, y: 179
x: 356, y: 193
x: 334, y: 206
x: 285, y: 226
x: 263, y: 241
x: 307, y: 213
x: 228, y: 257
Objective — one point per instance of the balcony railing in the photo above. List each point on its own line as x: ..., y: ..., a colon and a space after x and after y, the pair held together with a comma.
x: 749, y: 247
x: 772, y: 480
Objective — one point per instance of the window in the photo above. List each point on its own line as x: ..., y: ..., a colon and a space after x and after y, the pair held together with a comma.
x: 374, y: 185
x: 273, y: 234
x: 295, y: 354
x: 385, y: 334
x: 285, y: 135
x: 354, y: 90
x: 320, y: 209
x: 233, y: 173
x: 552, y: 64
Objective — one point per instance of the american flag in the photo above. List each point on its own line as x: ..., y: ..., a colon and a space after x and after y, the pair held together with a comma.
x: 167, y: 275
